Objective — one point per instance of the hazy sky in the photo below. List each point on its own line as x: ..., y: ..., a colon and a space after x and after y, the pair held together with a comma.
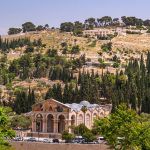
x: 15, y: 12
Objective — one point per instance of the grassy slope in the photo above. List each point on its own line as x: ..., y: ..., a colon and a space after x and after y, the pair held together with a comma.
x: 54, y: 38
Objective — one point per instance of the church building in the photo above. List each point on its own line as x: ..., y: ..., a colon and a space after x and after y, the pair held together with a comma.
x: 50, y: 117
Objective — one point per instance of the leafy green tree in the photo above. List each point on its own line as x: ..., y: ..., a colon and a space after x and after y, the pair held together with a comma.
x: 23, y: 101
x: 49, y: 94
x: 40, y: 28
x: 132, y: 21
x: 67, y: 27
x: 78, y: 28
x: 75, y: 50
x: 28, y: 26
x: 46, y: 26
x: 89, y: 136
x: 29, y: 49
x: 90, y: 23
x: 124, y: 130
x: 81, y: 129
x: 5, y: 130
x: 14, y: 31
x: 68, y: 137
x: 52, y: 52
x: 105, y: 21
x: 20, y: 121
x: 107, y: 47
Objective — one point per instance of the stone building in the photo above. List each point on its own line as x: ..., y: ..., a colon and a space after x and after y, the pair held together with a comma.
x: 98, y: 32
x: 50, y: 117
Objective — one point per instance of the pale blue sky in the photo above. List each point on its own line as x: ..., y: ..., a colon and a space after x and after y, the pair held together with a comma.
x: 15, y: 12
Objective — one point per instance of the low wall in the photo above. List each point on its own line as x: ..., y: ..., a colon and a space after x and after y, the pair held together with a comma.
x: 47, y: 146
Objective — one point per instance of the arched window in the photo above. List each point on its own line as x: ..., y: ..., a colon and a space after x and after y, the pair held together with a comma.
x: 73, y: 120
x: 80, y: 119
x: 61, y: 124
x: 72, y: 123
x: 50, y: 123
x: 102, y: 114
x: 94, y: 116
x: 88, y: 123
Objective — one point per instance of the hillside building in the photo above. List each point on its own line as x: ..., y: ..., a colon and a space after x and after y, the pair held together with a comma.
x: 97, y: 32
x: 50, y: 117
x: 102, y: 32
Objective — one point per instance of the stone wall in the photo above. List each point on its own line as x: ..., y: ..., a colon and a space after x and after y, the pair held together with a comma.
x: 46, y: 146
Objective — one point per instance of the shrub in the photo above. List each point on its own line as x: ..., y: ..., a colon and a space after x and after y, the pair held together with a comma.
x: 68, y: 137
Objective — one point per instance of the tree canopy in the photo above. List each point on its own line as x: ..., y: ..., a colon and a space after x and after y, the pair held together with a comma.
x: 6, y: 132
x: 125, y: 130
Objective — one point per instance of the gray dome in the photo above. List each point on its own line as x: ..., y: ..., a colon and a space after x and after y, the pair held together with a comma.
x: 85, y: 103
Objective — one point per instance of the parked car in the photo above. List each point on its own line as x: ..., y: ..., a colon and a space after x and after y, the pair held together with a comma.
x: 32, y: 140
x: 47, y: 140
x: 78, y: 139
x: 17, y: 139
x: 55, y: 140
x: 26, y: 138
x: 101, y: 140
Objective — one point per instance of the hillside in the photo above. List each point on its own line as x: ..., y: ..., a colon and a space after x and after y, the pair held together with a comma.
x: 49, y: 72
x: 54, y: 38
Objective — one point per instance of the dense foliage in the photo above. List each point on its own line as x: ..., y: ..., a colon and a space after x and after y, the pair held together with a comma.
x: 20, y: 122
x: 24, y: 101
x: 5, y: 130
x: 14, y: 31
x: 105, y: 21
x: 6, y: 45
x: 125, y: 130
x: 131, y: 87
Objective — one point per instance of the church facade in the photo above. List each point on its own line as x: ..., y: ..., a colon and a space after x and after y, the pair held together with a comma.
x: 51, y: 117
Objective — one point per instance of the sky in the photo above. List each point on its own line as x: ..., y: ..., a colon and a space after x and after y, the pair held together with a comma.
x: 13, y: 13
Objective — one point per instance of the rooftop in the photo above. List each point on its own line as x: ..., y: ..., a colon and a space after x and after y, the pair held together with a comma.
x: 77, y: 107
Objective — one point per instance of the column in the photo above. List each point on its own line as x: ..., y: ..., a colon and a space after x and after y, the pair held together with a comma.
x: 44, y: 123
x: 55, y: 125
x: 33, y: 124
x: 68, y: 125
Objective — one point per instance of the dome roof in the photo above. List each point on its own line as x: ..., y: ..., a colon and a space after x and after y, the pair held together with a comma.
x: 84, y: 103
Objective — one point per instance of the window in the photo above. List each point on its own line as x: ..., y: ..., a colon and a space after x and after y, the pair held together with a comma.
x: 87, y: 120
x: 80, y: 119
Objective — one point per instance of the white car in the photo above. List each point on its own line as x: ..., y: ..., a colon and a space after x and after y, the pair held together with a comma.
x: 47, y: 140
x: 100, y: 140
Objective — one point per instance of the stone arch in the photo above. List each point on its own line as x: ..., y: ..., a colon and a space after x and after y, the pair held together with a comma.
x: 50, y: 123
x: 39, y: 123
x: 61, y: 123
x: 73, y: 120
x: 80, y: 119
x: 95, y: 115
x: 73, y: 123
x: 101, y: 113
x: 88, y: 120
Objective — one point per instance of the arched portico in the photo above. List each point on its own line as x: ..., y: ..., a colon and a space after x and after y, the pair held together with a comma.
x: 50, y: 123
x: 39, y: 123
x: 61, y: 123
